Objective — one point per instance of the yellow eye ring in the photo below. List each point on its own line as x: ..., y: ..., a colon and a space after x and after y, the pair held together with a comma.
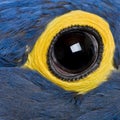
x: 37, y: 59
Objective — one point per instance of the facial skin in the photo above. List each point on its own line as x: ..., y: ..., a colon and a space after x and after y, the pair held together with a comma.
x: 24, y: 93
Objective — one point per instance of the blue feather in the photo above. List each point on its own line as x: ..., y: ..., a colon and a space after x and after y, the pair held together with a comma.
x: 25, y: 94
x: 22, y: 22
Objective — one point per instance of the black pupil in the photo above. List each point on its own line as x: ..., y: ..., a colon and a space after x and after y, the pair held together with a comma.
x: 75, y: 51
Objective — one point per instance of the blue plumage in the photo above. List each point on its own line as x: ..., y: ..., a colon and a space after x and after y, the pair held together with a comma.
x: 21, y: 23
x: 24, y: 94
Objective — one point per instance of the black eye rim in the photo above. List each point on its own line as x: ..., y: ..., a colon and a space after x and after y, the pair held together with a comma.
x: 59, y: 71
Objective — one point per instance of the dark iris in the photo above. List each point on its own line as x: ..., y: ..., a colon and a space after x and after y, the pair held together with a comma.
x: 74, y: 52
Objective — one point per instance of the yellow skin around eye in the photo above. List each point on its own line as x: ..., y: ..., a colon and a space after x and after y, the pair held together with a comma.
x: 37, y: 59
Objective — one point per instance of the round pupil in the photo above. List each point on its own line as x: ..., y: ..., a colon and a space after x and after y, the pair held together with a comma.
x: 75, y: 51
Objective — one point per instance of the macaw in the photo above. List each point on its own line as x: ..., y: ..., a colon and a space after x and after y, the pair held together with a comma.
x: 33, y: 88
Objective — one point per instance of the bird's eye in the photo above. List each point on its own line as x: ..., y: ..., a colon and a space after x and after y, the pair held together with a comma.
x: 75, y: 51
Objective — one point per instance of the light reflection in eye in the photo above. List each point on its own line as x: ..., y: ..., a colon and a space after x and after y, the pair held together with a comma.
x: 75, y: 48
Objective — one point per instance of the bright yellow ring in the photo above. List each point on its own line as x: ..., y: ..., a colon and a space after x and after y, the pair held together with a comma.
x: 37, y: 59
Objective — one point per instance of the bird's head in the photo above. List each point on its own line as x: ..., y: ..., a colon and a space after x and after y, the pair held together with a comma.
x: 74, y: 48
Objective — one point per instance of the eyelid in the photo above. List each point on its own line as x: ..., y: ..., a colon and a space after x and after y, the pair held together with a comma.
x: 37, y: 59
